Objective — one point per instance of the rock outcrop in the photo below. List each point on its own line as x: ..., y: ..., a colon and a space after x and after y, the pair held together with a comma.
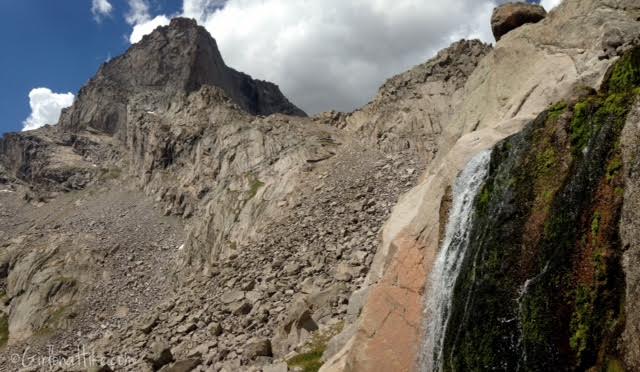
x: 410, y: 109
x: 508, y: 17
x: 174, y: 60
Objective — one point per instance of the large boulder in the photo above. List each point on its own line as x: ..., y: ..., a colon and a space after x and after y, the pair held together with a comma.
x: 510, y: 16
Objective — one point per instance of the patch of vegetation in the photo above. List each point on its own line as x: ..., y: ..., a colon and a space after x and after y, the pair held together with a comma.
x: 581, y: 127
x: 255, y: 186
x: 485, y: 196
x: 556, y: 111
x: 615, y: 365
x: 615, y: 165
x: 626, y: 72
x: 4, y: 329
x: 581, y: 322
x: 547, y: 159
x: 595, y: 224
x: 547, y: 216
x: 311, y: 359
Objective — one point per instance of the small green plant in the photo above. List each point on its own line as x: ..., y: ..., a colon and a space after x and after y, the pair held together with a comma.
x: 311, y: 359
x: 626, y: 72
x: 485, y: 196
x: 255, y: 186
x: 556, y: 111
x: 595, y: 224
x: 614, y: 166
x: 581, y: 124
x: 582, y: 321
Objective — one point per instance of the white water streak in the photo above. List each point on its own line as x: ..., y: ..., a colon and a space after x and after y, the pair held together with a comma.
x: 449, y: 261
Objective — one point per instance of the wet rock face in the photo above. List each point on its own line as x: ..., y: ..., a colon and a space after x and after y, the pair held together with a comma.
x: 176, y: 59
x: 510, y: 16
x: 547, y: 234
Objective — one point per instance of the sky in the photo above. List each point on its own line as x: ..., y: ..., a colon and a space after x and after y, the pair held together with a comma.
x: 324, y: 54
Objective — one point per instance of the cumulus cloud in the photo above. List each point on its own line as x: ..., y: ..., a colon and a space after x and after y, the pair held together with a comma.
x: 144, y: 28
x: 100, y: 8
x: 140, y: 18
x: 45, y: 107
x: 138, y: 12
x: 550, y: 4
x: 334, y: 54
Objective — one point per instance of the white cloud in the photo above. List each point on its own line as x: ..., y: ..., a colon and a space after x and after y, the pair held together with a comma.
x: 141, y: 29
x: 45, y: 107
x: 100, y: 8
x: 550, y: 4
x: 138, y: 12
x: 334, y: 54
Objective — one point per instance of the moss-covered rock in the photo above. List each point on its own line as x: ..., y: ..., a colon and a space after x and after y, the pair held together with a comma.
x: 541, y: 287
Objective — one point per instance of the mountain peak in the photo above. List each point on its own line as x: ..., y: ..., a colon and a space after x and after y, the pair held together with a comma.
x: 175, y: 59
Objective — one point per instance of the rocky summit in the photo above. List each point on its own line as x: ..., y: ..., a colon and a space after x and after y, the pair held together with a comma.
x: 480, y: 213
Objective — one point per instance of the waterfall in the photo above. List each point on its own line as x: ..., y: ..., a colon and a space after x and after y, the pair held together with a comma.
x: 449, y: 260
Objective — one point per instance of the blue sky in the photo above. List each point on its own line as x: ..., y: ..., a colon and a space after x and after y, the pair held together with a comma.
x: 56, y: 44
x: 60, y: 45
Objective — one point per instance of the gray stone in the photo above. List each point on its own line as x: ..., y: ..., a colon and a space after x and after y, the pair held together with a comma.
x: 185, y: 365
x: 160, y: 355
x: 231, y: 297
x: 240, y: 308
x: 214, y: 329
x: 258, y: 348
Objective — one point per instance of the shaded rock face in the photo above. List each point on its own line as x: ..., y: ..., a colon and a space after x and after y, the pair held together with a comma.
x: 510, y: 16
x: 175, y: 59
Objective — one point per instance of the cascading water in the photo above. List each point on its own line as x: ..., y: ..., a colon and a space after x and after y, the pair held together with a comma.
x: 447, y: 266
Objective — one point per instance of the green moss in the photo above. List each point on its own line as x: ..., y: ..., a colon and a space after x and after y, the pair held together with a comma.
x: 581, y: 124
x: 4, y: 329
x: 541, y: 286
x: 615, y: 365
x: 546, y: 160
x: 626, y: 72
x: 311, y: 359
x: 581, y: 322
x: 595, y: 224
x: 485, y: 196
x: 255, y: 186
x: 615, y: 165
x: 556, y: 111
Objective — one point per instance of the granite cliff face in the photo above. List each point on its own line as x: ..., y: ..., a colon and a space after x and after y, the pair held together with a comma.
x: 183, y: 216
x: 173, y: 60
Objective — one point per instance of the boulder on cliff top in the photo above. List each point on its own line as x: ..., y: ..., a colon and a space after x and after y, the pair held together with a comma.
x: 510, y: 16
